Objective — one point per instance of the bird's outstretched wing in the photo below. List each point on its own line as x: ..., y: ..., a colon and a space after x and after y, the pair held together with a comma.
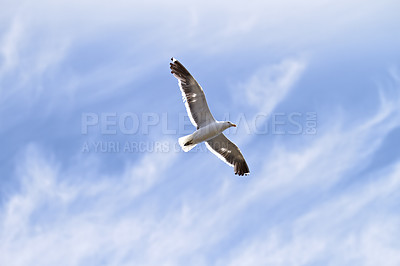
x: 228, y: 152
x: 193, y: 95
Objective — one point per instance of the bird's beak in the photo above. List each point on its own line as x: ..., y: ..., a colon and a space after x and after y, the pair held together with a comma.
x: 233, y: 125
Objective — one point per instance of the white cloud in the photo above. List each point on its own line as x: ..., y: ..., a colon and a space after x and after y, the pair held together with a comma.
x: 346, y: 226
x: 9, y: 47
x: 27, y: 58
x: 38, y: 41
x: 269, y: 85
x: 350, y: 228
x: 46, y: 213
x: 79, y: 216
x: 264, y: 91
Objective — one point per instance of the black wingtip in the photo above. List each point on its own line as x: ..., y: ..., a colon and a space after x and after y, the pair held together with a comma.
x: 241, y: 169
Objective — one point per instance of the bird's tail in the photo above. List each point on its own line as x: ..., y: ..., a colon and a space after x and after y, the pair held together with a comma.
x: 186, y: 143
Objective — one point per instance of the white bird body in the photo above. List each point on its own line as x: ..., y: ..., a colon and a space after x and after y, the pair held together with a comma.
x: 203, y: 134
x: 208, y: 132
x: 208, y: 129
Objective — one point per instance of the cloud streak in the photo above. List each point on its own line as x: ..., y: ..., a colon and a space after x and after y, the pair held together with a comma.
x: 269, y: 85
x: 78, y: 217
x: 309, y: 199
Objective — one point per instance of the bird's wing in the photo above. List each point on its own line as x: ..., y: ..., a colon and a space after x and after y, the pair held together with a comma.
x: 228, y: 152
x: 193, y: 95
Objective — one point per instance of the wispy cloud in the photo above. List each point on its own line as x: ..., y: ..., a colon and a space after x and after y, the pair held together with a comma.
x: 80, y: 216
x: 269, y: 85
x: 264, y: 90
x: 39, y: 217
x: 349, y: 228
x: 312, y: 202
x: 27, y: 58
x: 9, y: 47
x: 344, y: 226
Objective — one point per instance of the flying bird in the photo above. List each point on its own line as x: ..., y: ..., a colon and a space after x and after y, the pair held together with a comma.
x: 208, y: 129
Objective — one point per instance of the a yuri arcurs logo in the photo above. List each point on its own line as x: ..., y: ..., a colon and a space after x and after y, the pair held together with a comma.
x: 104, y: 132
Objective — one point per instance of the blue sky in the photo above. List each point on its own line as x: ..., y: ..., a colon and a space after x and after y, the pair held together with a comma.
x: 324, y: 198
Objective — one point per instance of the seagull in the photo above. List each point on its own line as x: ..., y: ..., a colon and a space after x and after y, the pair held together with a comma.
x: 208, y: 130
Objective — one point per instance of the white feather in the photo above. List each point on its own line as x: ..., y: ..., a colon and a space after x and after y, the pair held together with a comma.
x: 183, y: 140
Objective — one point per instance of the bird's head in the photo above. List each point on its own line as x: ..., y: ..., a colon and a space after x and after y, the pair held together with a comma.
x: 230, y: 124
